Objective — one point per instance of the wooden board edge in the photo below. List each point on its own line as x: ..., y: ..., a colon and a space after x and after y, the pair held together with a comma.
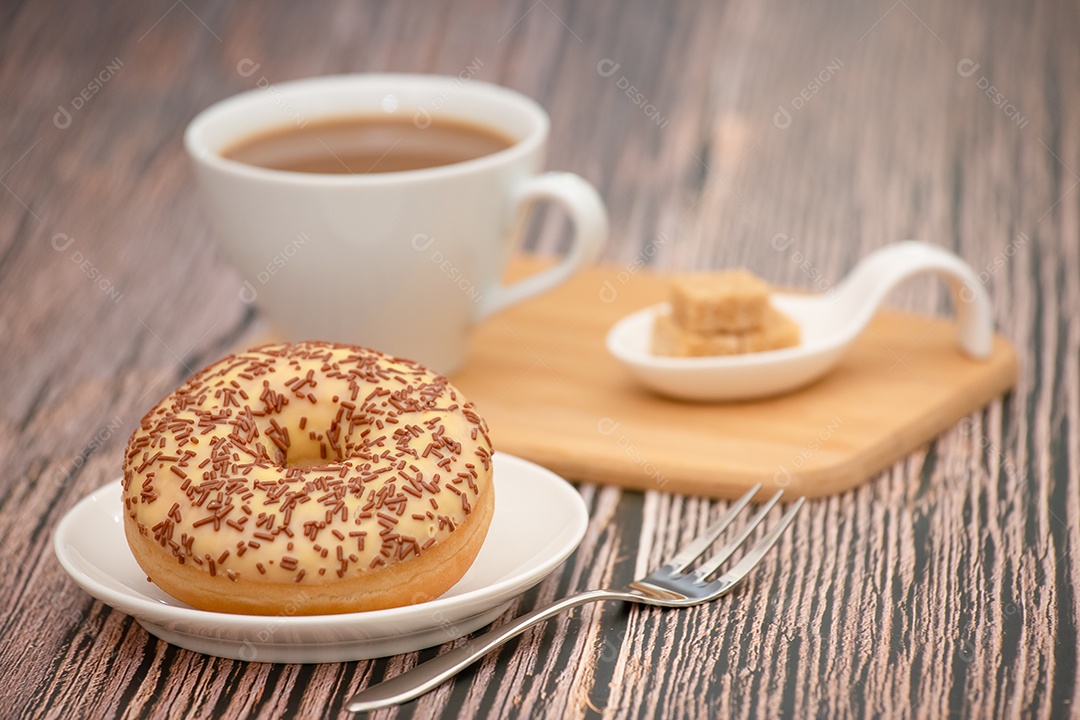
x: 820, y: 482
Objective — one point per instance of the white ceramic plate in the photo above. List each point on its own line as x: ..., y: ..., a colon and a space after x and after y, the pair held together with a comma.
x: 539, y: 520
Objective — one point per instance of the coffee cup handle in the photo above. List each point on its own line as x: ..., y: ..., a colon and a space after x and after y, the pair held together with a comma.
x: 587, y: 214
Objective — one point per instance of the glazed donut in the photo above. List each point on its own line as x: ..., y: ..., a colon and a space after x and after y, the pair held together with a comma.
x: 306, y: 479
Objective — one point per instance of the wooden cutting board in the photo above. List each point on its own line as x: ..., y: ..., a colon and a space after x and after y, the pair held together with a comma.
x: 541, y: 376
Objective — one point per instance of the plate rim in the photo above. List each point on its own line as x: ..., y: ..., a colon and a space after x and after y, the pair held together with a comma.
x: 156, y: 612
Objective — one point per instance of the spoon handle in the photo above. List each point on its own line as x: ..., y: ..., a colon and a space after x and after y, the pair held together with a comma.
x: 881, y: 271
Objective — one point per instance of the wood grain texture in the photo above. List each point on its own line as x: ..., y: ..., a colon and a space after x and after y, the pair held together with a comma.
x: 717, y: 133
x: 554, y: 395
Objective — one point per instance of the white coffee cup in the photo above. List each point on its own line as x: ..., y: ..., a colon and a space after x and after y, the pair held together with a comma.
x: 403, y: 262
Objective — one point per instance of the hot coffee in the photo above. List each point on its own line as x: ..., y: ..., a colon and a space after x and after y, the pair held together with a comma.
x: 365, y: 144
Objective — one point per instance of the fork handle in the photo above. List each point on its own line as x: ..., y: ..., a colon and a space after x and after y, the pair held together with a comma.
x: 422, y: 678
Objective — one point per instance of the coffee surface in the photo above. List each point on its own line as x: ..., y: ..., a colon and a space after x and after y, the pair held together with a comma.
x: 368, y: 144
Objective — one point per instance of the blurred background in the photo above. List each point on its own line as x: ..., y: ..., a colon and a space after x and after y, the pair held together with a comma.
x: 753, y: 133
x: 790, y: 138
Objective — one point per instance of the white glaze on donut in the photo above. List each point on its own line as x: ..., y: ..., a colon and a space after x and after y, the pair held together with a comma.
x: 305, y: 463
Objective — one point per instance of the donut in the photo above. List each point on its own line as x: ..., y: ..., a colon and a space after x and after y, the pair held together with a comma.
x: 308, y: 478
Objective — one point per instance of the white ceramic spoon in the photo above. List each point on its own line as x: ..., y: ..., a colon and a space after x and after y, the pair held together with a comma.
x: 828, y: 324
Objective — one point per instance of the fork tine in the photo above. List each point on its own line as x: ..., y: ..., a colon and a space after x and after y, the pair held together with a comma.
x: 754, y: 555
x: 701, y: 543
x: 713, y: 563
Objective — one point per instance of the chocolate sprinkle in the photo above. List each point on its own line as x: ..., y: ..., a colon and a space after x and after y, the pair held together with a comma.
x: 373, y: 472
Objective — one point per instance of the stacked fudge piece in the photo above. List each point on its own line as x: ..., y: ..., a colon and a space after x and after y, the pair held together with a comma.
x: 721, y: 313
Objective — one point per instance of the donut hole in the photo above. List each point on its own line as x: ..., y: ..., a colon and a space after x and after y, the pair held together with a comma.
x: 305, y: 459
x: 306, y: 462
x: 307, y: 455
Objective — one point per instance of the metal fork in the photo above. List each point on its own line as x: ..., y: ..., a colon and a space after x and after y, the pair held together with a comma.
x: 671, y: 585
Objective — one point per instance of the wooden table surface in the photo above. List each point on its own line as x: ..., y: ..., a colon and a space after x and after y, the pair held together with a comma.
x: 791, y: 138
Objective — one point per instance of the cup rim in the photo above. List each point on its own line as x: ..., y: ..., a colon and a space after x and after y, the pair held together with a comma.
x: 198, y: 149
